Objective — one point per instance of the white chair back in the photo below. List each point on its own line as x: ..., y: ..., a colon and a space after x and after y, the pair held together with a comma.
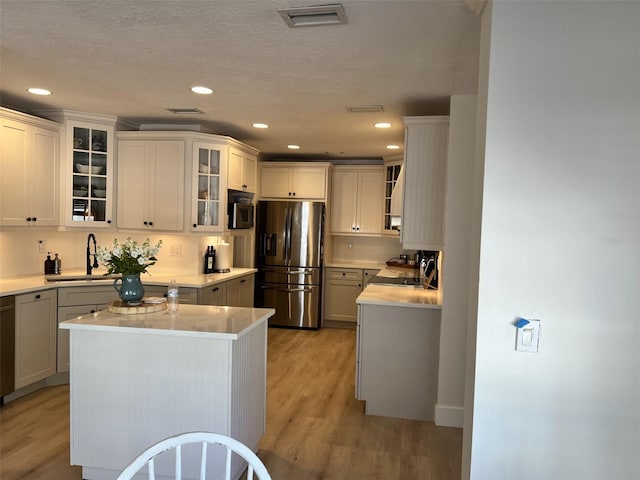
x: 204, y: 439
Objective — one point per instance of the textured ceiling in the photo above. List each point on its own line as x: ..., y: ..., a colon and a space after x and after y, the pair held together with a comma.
x: 136, y: 58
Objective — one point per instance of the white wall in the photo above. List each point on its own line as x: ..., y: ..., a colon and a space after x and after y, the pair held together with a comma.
x: 453, y: 330
x: 19, y: 253
x: 560, y: 242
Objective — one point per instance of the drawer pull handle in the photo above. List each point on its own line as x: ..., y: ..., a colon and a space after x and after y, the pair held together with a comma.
x: 38, y: 297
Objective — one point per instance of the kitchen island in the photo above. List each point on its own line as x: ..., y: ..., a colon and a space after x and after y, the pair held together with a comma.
x: 138, y: 378
x: 398, y: 338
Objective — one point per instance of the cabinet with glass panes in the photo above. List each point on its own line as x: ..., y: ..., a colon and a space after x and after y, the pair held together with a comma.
x: 89, y: 171
x: 392, y: 172
x: 209, y: 186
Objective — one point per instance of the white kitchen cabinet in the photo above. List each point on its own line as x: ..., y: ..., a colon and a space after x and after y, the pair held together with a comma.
x: 397, y: 349
x: 76, y: 301
x: 150, y: 183
x: 357, y: 200
x: 294, y: 180
x: 243, y: 171
x: 29, y: 169
x: 209, y: 187
x: 391, y: 223
x: 341, y: 288
x: 87, y: 171
x: 240, y: 291
x: 425, y: 164
x: 36, y: 337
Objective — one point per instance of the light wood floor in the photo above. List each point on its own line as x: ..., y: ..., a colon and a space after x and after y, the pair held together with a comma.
x: 315, y: 427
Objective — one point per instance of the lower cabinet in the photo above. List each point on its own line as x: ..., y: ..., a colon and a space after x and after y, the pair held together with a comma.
x: 36, y: 339
x: 341, y: 288
x: 240, y: 291
x: 237, y: 292
x: 213, y: 295
x: 186, y: 295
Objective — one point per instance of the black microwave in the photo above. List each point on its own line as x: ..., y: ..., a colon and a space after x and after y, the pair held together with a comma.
x: 240, y: 215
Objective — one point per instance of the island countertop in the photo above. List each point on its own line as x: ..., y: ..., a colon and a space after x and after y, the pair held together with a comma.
x: 191, y: 321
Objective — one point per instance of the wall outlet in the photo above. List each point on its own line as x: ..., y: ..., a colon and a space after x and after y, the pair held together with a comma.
x: 528, y: 337
x: 42, y: 246
x: 175, y: 250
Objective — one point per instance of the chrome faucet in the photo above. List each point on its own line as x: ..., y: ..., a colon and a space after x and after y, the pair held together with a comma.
x: 91, y: 266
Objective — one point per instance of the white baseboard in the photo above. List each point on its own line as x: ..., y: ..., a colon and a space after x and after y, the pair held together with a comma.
x: 447, y: 416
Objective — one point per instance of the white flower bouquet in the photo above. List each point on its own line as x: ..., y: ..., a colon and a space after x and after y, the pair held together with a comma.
x: 128, y: 258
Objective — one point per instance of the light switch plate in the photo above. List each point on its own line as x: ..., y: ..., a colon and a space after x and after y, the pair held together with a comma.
x: 528, y: 337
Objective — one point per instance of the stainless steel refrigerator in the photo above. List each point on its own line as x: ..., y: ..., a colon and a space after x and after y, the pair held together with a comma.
x: 289, y: 261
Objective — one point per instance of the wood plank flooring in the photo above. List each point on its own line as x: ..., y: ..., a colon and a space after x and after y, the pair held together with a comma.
x: 316, y: 429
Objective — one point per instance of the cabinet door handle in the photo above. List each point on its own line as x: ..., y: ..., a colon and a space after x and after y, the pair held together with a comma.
x: 38, y: 297
x: 108, y: 221
x: 92, y: 311
x: 34, y: 219
x: 343, y: 274
x: 145, y: 223
x: 215, y: 289
x: 29, y: 218
x: 151, y: 224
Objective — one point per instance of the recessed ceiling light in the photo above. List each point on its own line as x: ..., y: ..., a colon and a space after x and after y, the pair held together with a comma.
x: 382, y: 125
x: 38, y: 91
x: 293, y: 147
x: 259, y: 125
x: 393, y: 147
x: 202, y: 90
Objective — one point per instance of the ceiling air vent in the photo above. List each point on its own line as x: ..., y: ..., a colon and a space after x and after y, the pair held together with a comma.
x: 312, y: 16
x: 365, y: 109
x: 184, y: 111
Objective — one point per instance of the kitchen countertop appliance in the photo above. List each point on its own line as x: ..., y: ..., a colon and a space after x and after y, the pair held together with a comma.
x: 289, y: 261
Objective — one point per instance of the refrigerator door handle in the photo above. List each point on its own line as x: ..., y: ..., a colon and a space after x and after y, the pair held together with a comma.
x: 285, y: 240
x: 285, y: 289
x: 287, y: 272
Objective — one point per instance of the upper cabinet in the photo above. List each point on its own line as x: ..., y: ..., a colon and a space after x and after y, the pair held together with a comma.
x: 29, y: 153
x: 294, y: 181
x: 209, y: 187
x: 88, y: 170
x: 357, y: 200
x: 243, y: 170
x: 425, y: 143
x: 393, y: 192
x: 151, y: 176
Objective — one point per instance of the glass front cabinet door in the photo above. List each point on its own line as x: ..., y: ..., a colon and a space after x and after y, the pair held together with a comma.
x: 208, y: 212
x: 90, y: 173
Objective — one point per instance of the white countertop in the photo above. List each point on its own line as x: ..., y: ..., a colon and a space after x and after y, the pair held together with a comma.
x: 191, y: 320
x: 400, y: 296
x: 32, y: 283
